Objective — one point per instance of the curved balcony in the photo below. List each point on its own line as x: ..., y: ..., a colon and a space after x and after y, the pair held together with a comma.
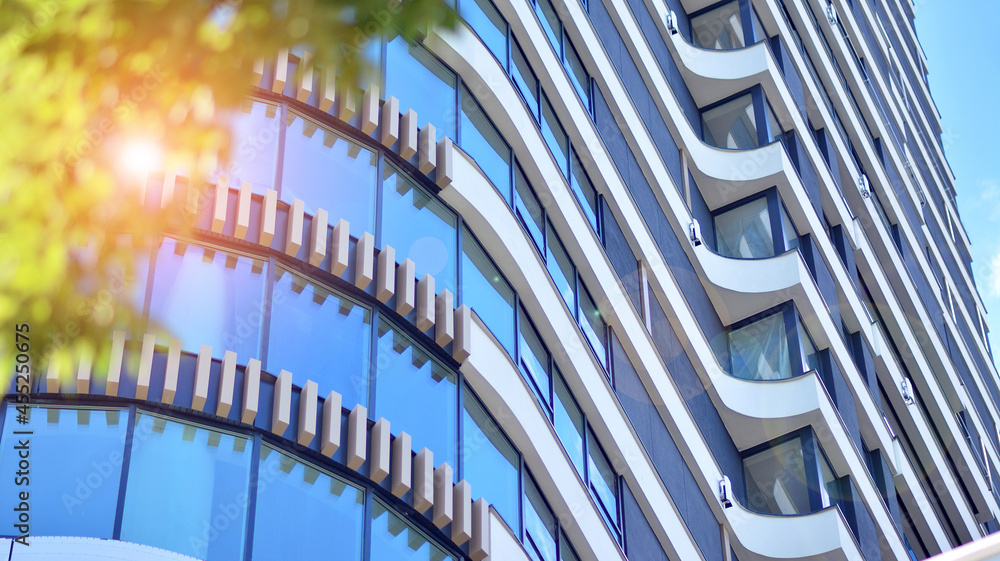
x: 765, y: 536
x: 713, y: 74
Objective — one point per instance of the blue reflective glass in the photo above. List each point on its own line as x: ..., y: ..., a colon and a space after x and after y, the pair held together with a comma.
x: 593, y: 326
x: 550, y: 23
x: 528, y: 209
x: 486, y: 292
x: 487, y: 22
x: 489, y: 461
x: 417, y: 393
x: 395, y: 539
x: 196, y: 478
x: 312, y: 329
x: 481, y: 140
x: 584, y: 190
x: 420, y: 82
x: 326, y: 170
x: 539, y: 524
x: 208, y: 297
x: 328, y: 512
x: 420, y: 228
x: 253, y: 154
x: 524, y: 79
x: 71, y: 471
x: 603, y: 481
x: 578, y: 74
x: 569, y: 423
x: 555, y: 136
x: 561, y: 269
x: 534, y: 358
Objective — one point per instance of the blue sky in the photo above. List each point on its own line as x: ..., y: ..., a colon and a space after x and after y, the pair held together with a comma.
x: 960, y: 41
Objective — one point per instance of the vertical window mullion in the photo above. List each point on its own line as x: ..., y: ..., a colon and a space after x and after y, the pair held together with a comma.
x: 252, y: 498
x: 123, y: 483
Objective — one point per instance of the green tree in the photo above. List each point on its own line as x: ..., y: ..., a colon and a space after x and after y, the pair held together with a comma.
x: 86, y: 82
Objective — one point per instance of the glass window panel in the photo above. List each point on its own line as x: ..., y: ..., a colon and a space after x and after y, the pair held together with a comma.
x: 487, y: 22
x: 584, y: 189
x: 578, y: 74
x: 745, y: 231
x: 208, y: 297
x: 524, y: 79
x: 489, y: 461
x: 253, y: 151
x: 528, y: 209
x: 420, y: 82
x: 326, y: 170
x: 189, y: 475
x: 791, y: 236
x: 481, y: 140
x: 76, y: 463
x: 395, y: 539
x: 720, y: 28
x: 486, y: 292
x: 731, y: 125
x: 569, y: 423
x: 420, y: 227
x: 312, y: 328
x: 773, y: 126
x: 807, y: 349
x: 566, y: 552
x: 329, y: 512
x: 534, y: 358
x: 758, y: 29
x: 593, y: 326
x: 561, y: 269
x: 603, y: 481
x: 550, y: 23
x: 776, y: 479
x: 555, y: 136
x: 759, y: 351
x: 417, y: 393
x: 539, y: 524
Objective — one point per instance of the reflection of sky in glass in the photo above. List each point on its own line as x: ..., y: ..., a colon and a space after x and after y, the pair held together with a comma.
x: 394, y: 539
x: 192, y: 477
x: 75, y: 469
x: 313, y: 329
x: 328, y: 512
x: 419, y: 227
x: 325, y: 170
x: 417, y: 394
x: 481, y: 140
x: 254, y: 147
x: 539, y: 524
x: 423, y: 84
x: 207, y: 297
x: 487, y: 293
x: 569, y: 424
x: 490, y: 462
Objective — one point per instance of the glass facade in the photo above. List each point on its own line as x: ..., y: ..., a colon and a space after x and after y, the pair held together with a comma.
x: 311, y: 153
x: 330, y: 511
x: 416, y: 392
x: 190, y: 475
x: 774, y: 346
x: 421, y: 228
x: 312, y: 328
x: 207, y: 297
x: 74, y: 469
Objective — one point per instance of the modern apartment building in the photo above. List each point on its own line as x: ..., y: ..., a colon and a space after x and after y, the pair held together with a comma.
x: 619, y: 279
